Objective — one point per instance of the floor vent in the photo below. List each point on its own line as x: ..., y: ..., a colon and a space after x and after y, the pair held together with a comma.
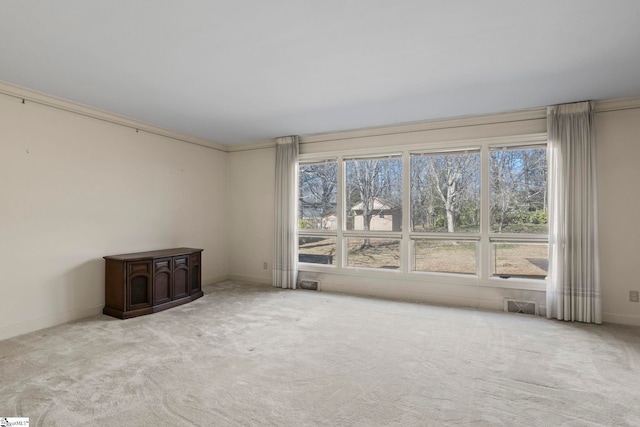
x: 311, y: 285
x: 522, y: 307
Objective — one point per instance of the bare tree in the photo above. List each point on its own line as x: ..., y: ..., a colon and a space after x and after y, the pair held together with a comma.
x: 503, y: 188
x: 518, y: 187
x: 318, y: 191
x: 370, y: 180
x: 423, y: 201
x: 456, y: 181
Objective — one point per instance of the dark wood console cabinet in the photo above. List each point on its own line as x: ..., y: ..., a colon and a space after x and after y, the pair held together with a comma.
x: 147, y: 282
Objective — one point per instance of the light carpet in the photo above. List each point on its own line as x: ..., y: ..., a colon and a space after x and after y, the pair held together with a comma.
x: 255, y: 355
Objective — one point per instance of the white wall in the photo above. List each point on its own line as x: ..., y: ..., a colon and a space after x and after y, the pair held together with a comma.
x: 74, y: 189
x: 618, y: 150
x: 251, y: 210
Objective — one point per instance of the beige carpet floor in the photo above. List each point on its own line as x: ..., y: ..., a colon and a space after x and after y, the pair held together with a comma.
x: 254, y: 355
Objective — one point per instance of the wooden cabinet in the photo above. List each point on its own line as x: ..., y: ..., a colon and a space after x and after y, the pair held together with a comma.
x: 147, y: 282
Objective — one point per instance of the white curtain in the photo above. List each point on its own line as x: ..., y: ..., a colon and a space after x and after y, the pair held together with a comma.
x: 573, y: 290
x: 285, y: 253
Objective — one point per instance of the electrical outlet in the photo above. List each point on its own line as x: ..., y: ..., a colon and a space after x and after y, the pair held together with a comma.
x: 264, y: 265
x: 633, y: 296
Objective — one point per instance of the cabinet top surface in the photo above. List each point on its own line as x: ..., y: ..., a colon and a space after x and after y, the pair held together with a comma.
x: 154, y: 254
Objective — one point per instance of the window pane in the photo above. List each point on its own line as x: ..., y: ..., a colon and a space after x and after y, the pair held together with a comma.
x: 318, y: 186
x: 445, y: 256
x: 523, y: 260
x: 374, y: 194
x: 445, y: 192
x: 317, y: 249
x: 518, y: 201
x: 373, y: 252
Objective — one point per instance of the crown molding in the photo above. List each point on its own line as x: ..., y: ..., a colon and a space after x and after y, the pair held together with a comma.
x: 462, y: 121
x: 30, y: 95
x: 256, y: 145
x: 617, y: 104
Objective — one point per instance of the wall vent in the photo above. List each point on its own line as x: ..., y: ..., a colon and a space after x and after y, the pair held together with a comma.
x: 311, y: 285
x: 522, y: 307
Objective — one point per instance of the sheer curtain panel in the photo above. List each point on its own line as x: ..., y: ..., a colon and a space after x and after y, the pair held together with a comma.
x: 284, y: 262
x: 573, y: 288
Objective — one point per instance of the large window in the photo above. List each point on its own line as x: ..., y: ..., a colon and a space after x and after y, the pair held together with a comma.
x: 475, y: 212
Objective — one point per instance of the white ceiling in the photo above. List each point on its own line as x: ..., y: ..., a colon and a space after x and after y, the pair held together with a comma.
x: 237, y: 71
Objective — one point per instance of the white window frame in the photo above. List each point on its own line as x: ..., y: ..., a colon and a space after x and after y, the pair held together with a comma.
x: 484, y: 238
x: 314, y: 232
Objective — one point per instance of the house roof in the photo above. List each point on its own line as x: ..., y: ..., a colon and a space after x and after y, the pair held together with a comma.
x: 378, y: 205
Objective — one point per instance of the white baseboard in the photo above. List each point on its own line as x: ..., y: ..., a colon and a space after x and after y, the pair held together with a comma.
x: 253, y: 279
x: 49, y: 321
x: 622, y: 319
x: 216, y: 279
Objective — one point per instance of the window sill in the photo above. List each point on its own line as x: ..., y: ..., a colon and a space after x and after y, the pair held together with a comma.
x: 426, y: 277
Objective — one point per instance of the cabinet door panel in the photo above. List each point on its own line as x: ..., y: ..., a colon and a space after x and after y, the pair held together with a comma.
x: 194, y: 259
x: 139, y: 285
x: 162, y: 281
x: 180, y: 277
